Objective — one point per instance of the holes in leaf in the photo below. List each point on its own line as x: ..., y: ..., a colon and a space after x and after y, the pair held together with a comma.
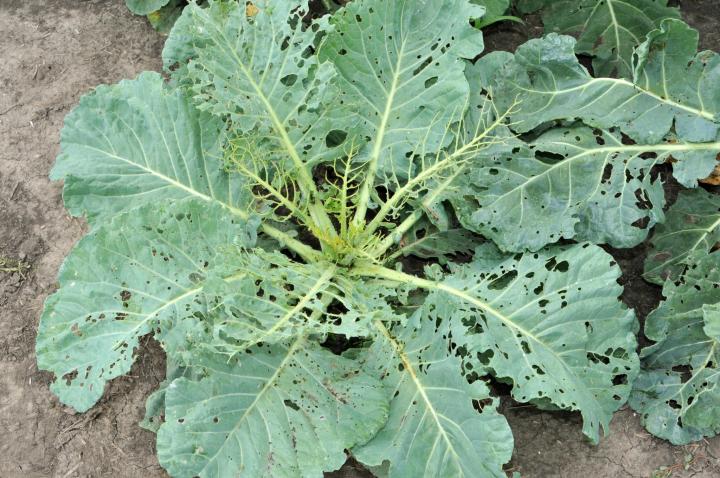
x: 431, y: 81
x: 335, y: 138
x: 69, y: 377
x: 503, y: 281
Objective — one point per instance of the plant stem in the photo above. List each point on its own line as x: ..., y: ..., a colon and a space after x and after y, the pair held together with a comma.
x: 417, y: 214
x: 306, y: 252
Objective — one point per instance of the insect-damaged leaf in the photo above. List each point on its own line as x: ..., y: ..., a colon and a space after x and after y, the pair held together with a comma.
x: 679, y: 106
x: 400, y: 67
x: 278, y: 299
x: 141, y: 272
x: 549, y: 322
x: 572, y: 182
x: 260, y: 72
x: 693, y: 224
x: 274, y: 411
x: 636, y: 125
x: 138, y: 142
x: 678, y: 388
x: 434, y: 428
x: 607, y: 29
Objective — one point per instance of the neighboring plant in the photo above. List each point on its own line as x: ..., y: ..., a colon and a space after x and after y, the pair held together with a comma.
x: 678, y: 391
x: 608, y: 30
x: 161, y: 14
x: 260, y: 215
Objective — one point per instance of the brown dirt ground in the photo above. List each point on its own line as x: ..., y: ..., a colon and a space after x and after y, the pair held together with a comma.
x: 53, y: 52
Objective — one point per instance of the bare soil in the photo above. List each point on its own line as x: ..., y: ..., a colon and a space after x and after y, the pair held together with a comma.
x: 53, y: 51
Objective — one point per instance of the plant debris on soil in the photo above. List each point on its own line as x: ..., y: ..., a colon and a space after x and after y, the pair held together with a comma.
x: 54, y: 51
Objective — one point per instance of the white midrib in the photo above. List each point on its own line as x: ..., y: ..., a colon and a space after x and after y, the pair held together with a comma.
x: 379, y: 141
x: 270, y: 382
x: 313, y: 292
x: 663, y: 148
x: 702, y: 113
x: 706, y: 232
x: 616, y: 26
x: 378, y: 271
x: 419, y: 386
x: 303, y: 250
x: 153, y: 313
x: 242, y: 214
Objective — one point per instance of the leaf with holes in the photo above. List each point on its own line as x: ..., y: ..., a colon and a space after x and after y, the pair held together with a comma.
x: 679, y: 386
x: 273, y: 411
x: 305, y: 214
x: 550, y: 323
x: 143, y: 272
x: 693, y: 225
x: 608, y: 30
x: 572, y: 182
x: 434, y: 427
x: 400, y: 67
x: 671, y: 99
x: 259, y: 72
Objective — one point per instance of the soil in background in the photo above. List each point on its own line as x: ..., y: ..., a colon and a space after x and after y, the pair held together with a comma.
x: 53, y: 52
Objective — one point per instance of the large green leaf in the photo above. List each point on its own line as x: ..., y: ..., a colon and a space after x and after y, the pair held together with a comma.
x: 607, y: 29
x: 273, y: 411
x: 693, y: 224
x: 434, y: 428
x: 400, y: 67
x: 550, y: 322
x: 260, y: 72
x: 143, y: 7
x: 141, y: 272
x: 139, y: 142
x: 678, y: 390
x: 571, y: 182
x: 673, y: 96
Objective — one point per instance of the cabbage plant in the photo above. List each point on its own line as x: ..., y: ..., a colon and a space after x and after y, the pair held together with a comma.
x: 343, y: 230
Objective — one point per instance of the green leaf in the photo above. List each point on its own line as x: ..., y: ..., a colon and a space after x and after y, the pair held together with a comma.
x: 273, y: 411
x: 428, y: 242
x: 139, y: 142
x: 163, y: 19
x: 143, y: 7
x: 139, y: 273
x: 494, y: 12
x: 551, y: 323
x: 400, y: 68
x: 609, y: 30
x: 673, y: 92
x: 571, y: 182
x: 693, y: 224
x: 678, y: 389
x: 259, y: 72
x: 434, y: 428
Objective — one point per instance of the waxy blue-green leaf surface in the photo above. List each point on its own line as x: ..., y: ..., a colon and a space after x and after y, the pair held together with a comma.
x: 139, y: 142
x: 433, y: 429
x: 400, y: 68
x: 274, y: 411
x: 142, y: 272
x: 678, y: 388
x: 693, y: 224
x: 551, y: 323
x: 673, y: 86
x: 572, y: 182
x: 259, y: 72
x: 609, y: 30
